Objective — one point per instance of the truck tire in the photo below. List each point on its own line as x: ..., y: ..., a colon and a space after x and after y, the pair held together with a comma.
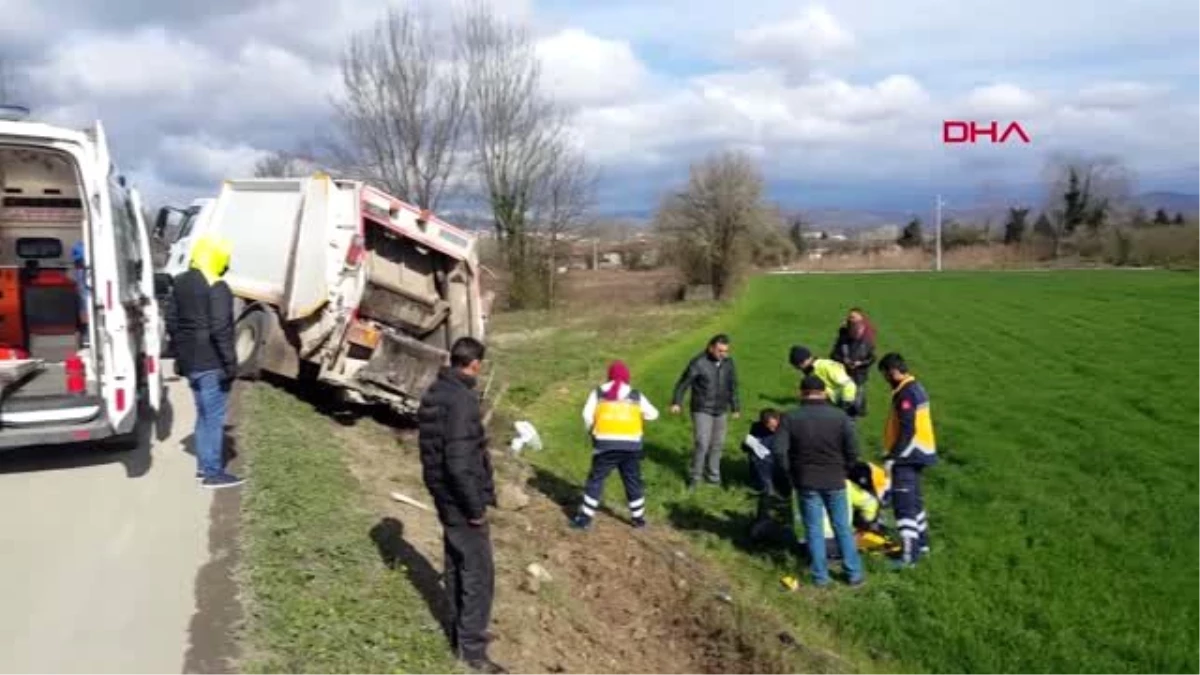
x: 249, y: 336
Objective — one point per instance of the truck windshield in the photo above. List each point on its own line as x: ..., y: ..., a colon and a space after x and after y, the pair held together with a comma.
x: 189, y: 220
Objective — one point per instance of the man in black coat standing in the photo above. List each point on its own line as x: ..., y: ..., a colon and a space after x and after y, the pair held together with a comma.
x: 711, y: 378
x: 458, y: 473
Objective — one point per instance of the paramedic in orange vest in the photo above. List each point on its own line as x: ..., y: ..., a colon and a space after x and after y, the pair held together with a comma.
x: 614, y: 415
x: 908, y: 447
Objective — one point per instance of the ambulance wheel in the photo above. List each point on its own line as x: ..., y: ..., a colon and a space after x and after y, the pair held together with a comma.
x: 248, y: 338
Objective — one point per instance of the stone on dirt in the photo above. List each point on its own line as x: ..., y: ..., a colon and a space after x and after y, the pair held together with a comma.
x: 511, y: 497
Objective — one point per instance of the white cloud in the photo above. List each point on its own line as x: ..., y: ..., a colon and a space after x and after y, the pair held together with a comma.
x: 1118, y: 95
x: 209, y: 158
x: 857, y: 94
x: 147, y: 62
x: 581, y: 68
x: 1003, y: 100
x: 797, y: 44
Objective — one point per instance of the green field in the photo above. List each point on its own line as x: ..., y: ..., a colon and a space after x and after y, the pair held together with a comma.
x: 1064, y: 512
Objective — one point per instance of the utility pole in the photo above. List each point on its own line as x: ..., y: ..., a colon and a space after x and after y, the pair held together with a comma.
x: 938, y: 226
x: 595, y: 254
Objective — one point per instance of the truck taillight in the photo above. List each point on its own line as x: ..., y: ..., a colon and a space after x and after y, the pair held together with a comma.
x: 76, y: 375
x: 356, y: 253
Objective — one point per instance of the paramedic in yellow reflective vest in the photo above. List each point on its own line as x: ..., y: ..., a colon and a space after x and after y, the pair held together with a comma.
x: 864, y: 514
x: 839, y: 386
x: 614, y: 415
x: 908, y: 447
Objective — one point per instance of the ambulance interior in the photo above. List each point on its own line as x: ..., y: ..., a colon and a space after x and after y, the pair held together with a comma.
x: 42, y: 216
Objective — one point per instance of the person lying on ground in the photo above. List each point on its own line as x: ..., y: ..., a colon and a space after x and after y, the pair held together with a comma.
x: 839, y: 386
x: 614, y: 415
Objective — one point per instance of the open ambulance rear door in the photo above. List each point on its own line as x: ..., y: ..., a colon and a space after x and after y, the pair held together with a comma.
x: 152, y: 326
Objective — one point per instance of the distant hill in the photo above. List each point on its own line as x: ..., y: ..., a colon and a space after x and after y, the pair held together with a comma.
x: 1171, y: 202
x: 850, y: 218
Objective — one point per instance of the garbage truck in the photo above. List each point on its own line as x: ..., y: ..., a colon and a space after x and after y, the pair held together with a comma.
x: 79, y: 325
x: 338, y: 282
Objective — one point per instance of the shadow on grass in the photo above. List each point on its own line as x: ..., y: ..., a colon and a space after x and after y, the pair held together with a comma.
x: 774, y: 541
x: 395, y: 551
x: 672, y: 459
x: 735, y: 469
x: 566, y: 494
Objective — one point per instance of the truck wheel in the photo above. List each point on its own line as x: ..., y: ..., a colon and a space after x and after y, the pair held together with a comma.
x: 249, y: 336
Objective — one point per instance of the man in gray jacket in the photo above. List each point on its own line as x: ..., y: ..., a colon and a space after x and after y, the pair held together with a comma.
x: 712, y: 380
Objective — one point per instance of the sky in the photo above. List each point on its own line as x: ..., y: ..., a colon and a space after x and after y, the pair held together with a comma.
x: 842, y: 103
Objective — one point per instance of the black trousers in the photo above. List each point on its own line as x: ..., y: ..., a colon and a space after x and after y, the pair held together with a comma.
x: 470, y: 581
x: 629, y: 464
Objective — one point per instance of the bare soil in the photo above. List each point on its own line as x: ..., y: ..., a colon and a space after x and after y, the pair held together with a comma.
x: 592, y: 289
x: 619, y: 599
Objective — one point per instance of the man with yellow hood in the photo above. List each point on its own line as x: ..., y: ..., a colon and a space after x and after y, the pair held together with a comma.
x: 202, y: 330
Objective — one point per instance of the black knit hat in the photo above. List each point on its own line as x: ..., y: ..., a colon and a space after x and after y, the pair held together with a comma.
x: 812, y: 383
x: 799, y: 355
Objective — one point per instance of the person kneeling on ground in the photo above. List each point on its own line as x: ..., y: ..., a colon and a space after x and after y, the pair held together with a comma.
x: 839, y: 386
x: 820, y: 445
x: 614, y: 415
x: 768, y: 478
x: 863, y: 511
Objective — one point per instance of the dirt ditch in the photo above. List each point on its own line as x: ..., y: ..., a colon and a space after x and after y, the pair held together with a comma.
x: 615, y: 600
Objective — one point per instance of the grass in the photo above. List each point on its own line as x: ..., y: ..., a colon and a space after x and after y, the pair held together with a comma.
x: 319, y: 598
x: 1064, y: 512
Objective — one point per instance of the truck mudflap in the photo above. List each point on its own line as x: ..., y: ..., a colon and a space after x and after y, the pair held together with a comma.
x: 403, y: 365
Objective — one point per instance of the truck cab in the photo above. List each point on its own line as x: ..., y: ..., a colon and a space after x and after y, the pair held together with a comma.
x: 80, y: 330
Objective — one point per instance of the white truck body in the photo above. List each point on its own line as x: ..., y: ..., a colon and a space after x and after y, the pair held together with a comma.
x: 96, y: 360
x: 340, y: 282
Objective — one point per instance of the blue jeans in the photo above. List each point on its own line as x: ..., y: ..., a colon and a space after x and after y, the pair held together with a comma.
x: 813, y: 506
x: 212, y: 397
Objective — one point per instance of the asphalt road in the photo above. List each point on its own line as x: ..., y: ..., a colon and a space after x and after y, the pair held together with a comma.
x: 100, y: 552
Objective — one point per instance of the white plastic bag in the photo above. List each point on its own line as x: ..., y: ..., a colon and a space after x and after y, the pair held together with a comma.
x: 526, y: 436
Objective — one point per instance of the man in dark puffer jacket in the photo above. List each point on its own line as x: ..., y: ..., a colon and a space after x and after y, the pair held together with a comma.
x: 201, y: 327
x: 458, y: 473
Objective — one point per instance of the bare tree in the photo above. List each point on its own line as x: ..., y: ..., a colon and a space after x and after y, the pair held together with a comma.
x: 567, y: 195
x: 517, y: 136
x: 1085, y: 193
x: 283, y: 164
x: 403, y: 106
x: 711, y: 225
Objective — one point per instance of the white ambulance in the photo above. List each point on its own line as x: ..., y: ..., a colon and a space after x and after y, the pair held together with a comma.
x: 79, y: 344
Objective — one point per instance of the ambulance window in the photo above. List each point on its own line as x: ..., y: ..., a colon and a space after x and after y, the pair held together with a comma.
x: 39, y: 248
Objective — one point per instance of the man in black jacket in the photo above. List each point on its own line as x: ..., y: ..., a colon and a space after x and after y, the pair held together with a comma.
x: 818, y: 443
x: 712, y: 380
x: 201, y: 326
x: 458, y: 473
x: 855, y: 350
